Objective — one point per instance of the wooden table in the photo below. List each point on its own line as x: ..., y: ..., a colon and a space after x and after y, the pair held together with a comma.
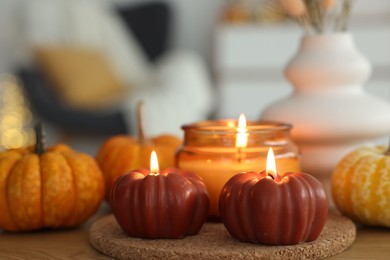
x: 371, y: 243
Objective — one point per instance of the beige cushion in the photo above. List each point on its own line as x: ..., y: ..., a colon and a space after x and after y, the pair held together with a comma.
x: 91, y: 24
x: 82, y: 77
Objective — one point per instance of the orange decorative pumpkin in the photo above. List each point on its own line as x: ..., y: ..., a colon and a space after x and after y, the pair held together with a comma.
x: 361, y: 186
x: 121, y: 154
x: 53, y: 188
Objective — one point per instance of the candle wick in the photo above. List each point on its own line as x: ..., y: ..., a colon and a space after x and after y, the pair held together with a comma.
x: 271, y: 175
x: 154, y: 173
x: 240, y: 155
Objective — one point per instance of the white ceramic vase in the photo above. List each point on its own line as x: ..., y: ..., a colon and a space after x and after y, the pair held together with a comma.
x: 329, y: 109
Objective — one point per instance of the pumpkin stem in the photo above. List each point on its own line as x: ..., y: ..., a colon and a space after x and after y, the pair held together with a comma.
x: 40, y: 138
x: 388, y: 150
x: 141, y: 133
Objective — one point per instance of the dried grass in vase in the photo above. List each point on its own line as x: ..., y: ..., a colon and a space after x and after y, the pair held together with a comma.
x: 318, y: 16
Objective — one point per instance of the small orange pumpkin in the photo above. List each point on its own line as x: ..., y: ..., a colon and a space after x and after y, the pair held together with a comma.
x: 361, y: 185
x: 120, y: 154
x: 53, y: 188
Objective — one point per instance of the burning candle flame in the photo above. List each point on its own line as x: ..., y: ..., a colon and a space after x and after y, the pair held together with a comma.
x: 242, y: 135
x: 271, y: 165
x: 154, y: 169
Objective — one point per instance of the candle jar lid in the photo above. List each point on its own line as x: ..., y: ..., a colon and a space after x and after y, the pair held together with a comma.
x: 221, y: 135
x: 210, y: 150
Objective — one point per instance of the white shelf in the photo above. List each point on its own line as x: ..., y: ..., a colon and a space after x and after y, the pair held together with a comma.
x: 249, y: 62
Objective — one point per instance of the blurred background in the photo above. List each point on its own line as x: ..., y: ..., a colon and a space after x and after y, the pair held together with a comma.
x: 81, y: 66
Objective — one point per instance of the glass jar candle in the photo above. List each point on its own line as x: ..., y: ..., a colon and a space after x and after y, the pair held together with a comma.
x: 211, y: 149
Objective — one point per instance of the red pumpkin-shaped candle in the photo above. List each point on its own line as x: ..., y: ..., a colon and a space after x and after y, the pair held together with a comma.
x: 167, y: 204
x: 273, y: 210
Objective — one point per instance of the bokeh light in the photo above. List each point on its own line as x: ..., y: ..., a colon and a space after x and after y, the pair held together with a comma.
x: 15, y: 115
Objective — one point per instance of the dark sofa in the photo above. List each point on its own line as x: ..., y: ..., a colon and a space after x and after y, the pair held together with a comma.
x: 150, y: 23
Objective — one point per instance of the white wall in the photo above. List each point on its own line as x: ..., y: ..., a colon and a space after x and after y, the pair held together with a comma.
x: 8, y: 31
x: 193, y: 25
x: 194, y: 22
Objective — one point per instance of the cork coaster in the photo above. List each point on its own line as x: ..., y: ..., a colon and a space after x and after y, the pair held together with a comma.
x: 214, y: 242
